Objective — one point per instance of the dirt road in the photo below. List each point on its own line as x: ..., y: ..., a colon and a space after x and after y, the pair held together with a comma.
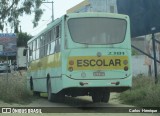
x: 80, y: 106
x: 85, y: 101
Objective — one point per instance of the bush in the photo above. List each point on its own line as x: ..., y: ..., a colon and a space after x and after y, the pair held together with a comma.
x: 13, y: 88
x: 144, y: 93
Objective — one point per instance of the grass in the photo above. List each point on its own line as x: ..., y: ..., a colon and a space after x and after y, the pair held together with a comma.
x: 144, y: 93
x: 13, y: 89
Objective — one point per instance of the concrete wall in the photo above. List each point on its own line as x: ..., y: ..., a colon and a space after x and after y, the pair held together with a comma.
x: 140, y: 67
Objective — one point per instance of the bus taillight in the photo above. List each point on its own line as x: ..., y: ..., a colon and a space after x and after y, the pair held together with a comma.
x: 125, y: 62
x: 126, y: 68
x: 71, y: 62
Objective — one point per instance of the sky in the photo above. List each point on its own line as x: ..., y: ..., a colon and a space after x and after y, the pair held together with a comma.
x: 60, y: 8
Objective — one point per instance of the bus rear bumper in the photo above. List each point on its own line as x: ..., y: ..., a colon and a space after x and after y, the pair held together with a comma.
x: 114, y: 85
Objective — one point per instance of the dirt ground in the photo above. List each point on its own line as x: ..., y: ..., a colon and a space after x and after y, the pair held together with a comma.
x: 70, y: 102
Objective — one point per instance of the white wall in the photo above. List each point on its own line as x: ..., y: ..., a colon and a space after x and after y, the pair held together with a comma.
x: 139, y: 66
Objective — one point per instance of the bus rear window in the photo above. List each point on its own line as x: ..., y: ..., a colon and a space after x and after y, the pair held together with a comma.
x: 97, y: 31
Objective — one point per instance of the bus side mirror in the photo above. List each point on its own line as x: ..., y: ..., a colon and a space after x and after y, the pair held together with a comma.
x: 24, y: 52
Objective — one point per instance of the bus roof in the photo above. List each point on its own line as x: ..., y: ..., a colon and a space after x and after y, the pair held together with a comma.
x: 49, y: 26
x: 99, y: 14
x: 84, y: 14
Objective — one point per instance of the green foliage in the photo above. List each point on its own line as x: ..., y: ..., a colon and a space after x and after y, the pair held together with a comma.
x: 11, y: 10
x: 22, y: 39
x: 144, y: 93
x: 37, y: 16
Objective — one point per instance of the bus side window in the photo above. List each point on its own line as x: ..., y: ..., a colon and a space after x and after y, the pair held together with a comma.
x: 52, y: 47
x: 49, y: 36
x: 48, y: 48
x: 37, y: 51
x: 38, y: 43
x: 57, y: 47
x: 53, y: 34
x: 34, y: 49
x: 57, y: 31
x: 45, y: 44
x: 42, y: 47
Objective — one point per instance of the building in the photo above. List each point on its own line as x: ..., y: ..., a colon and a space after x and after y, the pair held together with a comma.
x: 141, y: 63
x: 109, y: 6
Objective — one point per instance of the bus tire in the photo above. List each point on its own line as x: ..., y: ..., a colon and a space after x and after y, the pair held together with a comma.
x: 96, y: 96
x: 35, y: 93
x: 51, y: 96
x: 31, y: 84
x: 60, y: 97
x: 105, y: 96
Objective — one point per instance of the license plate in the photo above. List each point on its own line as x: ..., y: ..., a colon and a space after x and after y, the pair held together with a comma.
x: 98, y: 73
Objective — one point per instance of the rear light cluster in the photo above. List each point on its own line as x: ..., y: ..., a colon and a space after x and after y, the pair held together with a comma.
x: 125, y: 62
x: 126, y: 68
x: 71, y: 63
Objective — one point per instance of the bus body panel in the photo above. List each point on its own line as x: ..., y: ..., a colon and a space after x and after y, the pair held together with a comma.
x: 72, y: 83
x: 85, y: 56
x: 40, y: 69
x: 111, y: 63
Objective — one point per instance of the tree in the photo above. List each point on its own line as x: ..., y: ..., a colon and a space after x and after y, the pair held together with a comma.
x: 22, y: 39
x: 11, y: 10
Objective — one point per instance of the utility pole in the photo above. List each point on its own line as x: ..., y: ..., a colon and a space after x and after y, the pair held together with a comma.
x: 52, y: 9
x: 154, y: 54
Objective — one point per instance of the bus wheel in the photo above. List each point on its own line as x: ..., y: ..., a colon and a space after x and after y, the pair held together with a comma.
x: 51, y: 96
x: 105, y: 96
x: 35, y: 93
x: 60, y: 97
x: 96, y: 96
x: 31, y: 84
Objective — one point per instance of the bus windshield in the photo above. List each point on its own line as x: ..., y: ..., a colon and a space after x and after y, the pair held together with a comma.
x: 97, y: 31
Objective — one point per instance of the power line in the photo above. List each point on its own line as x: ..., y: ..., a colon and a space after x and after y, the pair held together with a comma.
x: 40, y: 27
x: 47, y: 7
x: 52, y: 9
